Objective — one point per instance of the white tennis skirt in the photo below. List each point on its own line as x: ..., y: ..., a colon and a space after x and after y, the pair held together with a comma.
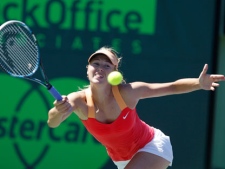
x: 160, y: 145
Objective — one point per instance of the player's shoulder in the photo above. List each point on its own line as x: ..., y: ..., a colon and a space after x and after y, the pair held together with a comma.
x: 128, y: 94
x: 125, y: 89
x: 129, y: 86
x: 78, y: 95
x: 132, y: 89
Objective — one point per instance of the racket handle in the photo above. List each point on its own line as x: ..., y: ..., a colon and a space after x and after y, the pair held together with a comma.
x: 55, y: 93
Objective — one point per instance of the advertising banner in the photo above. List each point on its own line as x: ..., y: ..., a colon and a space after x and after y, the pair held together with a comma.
x: 159, y: 41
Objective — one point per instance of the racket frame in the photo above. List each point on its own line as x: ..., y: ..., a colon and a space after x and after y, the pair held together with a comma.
x: 39, y: 65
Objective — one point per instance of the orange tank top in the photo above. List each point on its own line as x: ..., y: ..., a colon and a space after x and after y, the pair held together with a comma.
x: 123, y: 137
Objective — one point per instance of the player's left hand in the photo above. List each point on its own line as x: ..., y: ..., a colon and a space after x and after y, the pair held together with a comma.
x: 209, y: 82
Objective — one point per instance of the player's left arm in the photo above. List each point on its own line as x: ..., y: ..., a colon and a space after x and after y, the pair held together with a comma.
x: 205, y: 81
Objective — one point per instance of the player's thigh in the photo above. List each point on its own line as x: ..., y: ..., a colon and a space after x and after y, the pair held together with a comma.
x: 145, y: 160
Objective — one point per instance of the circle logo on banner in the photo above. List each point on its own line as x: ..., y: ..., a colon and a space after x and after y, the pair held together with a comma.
x: 25, y: 137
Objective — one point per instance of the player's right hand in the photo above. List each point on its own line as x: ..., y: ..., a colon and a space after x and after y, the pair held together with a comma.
x: 62, y: 106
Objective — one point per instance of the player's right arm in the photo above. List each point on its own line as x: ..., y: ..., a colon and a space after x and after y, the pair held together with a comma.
x: 74, y: 102
x: 61, y: 110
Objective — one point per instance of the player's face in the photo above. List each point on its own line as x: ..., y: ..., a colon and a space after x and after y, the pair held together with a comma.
x: 99, y: 68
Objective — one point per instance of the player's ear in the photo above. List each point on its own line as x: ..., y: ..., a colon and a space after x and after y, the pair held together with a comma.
x: 87, y: 74
x: 115, y: 68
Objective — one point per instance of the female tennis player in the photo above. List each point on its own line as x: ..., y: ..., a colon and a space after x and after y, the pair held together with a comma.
x: 109, y: 114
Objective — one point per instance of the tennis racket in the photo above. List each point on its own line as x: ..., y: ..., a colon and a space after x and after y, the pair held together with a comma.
x: 19, y: 54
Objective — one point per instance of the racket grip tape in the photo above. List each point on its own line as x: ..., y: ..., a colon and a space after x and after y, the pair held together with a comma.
x: 55, y: 93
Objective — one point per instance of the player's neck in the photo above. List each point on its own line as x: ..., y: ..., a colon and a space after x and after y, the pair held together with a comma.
x: 101, y: 94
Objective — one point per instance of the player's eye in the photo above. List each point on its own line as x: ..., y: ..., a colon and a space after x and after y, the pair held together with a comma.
x: 107, y: 66
x: 95, y: 64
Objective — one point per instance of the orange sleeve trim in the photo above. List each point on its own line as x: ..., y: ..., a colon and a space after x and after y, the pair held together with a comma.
x: 90, y: 104
x: 118, y: 97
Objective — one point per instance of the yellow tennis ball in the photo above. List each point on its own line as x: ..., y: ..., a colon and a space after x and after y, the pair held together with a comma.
x: 114, y: 78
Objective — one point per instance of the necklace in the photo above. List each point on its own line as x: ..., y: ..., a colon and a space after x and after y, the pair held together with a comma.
x: 97, y: 109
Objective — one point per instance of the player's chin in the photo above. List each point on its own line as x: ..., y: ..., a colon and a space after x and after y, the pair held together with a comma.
x: 96, y: 80
x: 99, y: 81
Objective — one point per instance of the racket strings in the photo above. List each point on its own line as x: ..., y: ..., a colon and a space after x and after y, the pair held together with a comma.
x: 16, y: 64
x: 19, y: 50
x: 24, y: 54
